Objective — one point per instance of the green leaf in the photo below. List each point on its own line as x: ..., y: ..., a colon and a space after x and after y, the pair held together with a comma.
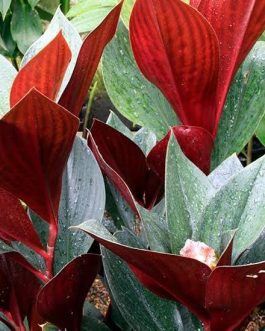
x: 117, y: 124
x: 155, y: 229
x: 58, y: 23
x: 33, y: 3
x: 4, y: 6
x: 7, y: 76
x: 239, y: 204
x: 82, y: 198
x: 244, y: 107
x: 7, y: 44
x: 187, y: 191
x: 48, y: 6
x: 134, y: 97
x: 260, y: 132
x: 126, y: 12
x: 92, y: 319
x: 88, y: 14
x: 228, y: 168
x: 26, y: 25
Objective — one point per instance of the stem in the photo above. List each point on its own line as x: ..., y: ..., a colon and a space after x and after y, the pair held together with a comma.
x: 14, y: 62
x: 89, y: 106
x: 65, y: 6
x: 249, y: 151
x: 53, y: 232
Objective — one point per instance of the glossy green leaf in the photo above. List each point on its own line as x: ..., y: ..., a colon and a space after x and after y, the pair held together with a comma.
x: 58, y: 23
x: 7, y: 76
x: 244, y: 107
x: 86, y: 15
x: 25, y: 25
x: 4, y: 6
x: 126, y: 12
x: 48, y: 6
x: 134, y: 97
x: 228, y: 168
x: 187, y: 191
x: 239, y: 204
x: 82, y: 198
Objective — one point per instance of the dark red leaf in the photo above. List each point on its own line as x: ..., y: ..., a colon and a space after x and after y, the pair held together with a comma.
x: 195, y: 142
x: 124, y: 163
x: 36, y: 137
x: 238, y: 24
x: 15, y: 223
x: 61, y: 300
x: 88, y: 60
x: 232, y: 293
x: 18, y: 288
x: 177, y: 50
x: 45, y: 71
x: 170, y: 276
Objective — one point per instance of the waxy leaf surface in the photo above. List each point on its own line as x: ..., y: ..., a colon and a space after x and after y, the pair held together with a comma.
x: 44, y: 72
x: 133, y: 95
x: 125, y: 165
x: 158, y: 31
x: 7, y: 76
x: 88, y: 60
x: 36, y: 136
x: 61, y: 300
x: 82, y: 198
x: 74, y: 41
x: 15, y: 222
x: 244, y: 106
x: 238, y: 25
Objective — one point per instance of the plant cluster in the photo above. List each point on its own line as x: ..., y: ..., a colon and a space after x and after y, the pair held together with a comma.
x: 179, y: 220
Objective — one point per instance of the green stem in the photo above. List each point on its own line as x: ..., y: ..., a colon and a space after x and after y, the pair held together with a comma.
x: 89, y: 106
x: 14, y: 62
x: 249, y: 151
x: 65, y: 6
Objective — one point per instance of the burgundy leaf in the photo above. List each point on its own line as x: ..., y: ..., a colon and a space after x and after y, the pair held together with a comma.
x: 124, y: 163
x: 18, y: 288
x: 238, y: 24
x: 232, y: 293
x: 61, y: 300
x: 36, y: 137
x: 88, y: 60
x: 45, y: 71
x: 177, y: 50
x: 15, y: 223
x: 195, y: 142
x: 170, y: 276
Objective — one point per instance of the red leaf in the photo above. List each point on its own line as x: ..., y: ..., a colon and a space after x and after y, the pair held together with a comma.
x: 238, y: 24
x: 88, y: 60
x: 123, y: 162
x: 169, y: 276
x: 18, y: 288
x: 45, y: 71
x: 36, y: 137
x: 232, y: 293
x: 15, y: 222
x: 177, y: 50
x: 61, y: 300
x: 195, y: 142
